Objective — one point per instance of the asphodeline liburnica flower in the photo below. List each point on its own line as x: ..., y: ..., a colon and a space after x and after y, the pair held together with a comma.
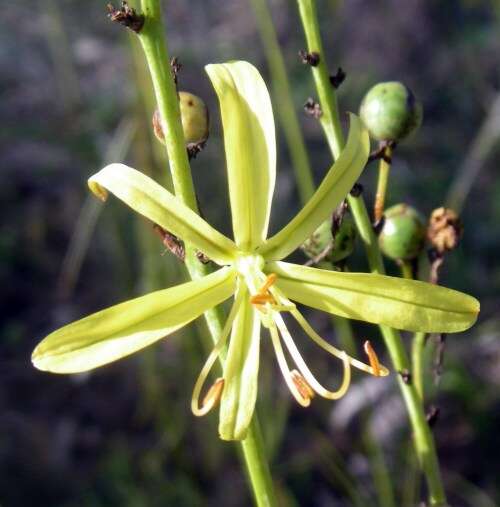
x: 264, y: 289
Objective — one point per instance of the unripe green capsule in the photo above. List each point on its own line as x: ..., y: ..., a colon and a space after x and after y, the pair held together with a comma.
x: 321, y: 241
x: 403, y: 234
x: 390, y: 111
x: 194, y: 116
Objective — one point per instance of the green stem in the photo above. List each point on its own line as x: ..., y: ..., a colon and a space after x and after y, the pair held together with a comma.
x: 155, y: 49
x: 384, y: 168
x: 283, y: 97
x: 257, y: 467
x: 417, y: 344
x: 327, y: 97
x: 417, y: 355
x: 423, y: 438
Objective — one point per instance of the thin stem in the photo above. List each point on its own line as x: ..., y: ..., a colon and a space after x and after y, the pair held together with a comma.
x: 257, y: 467
x: 155, y: 49
x: 417, y: 343
x: 423, y: 438
x: 417, y: 356
x: 384, y: 168
x: 283, y: 98
x: 327, y: 97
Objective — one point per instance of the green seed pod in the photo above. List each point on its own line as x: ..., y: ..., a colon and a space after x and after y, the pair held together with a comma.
x: 194, y: 116
x: 319, y: 245
x: 390, y: 111
x: 403, y: 234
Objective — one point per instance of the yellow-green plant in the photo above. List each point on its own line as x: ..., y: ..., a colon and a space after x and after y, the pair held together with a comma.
x: 251, y: 269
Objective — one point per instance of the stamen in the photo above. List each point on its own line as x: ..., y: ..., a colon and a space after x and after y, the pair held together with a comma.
x: 212, y: 397
x: 270, y: 280
x: 259, y: 299
x: 306, y: 372
x: 302, y: 400
x: 383, y: 371
x: 302, y: 386
x: 372, y: 357
x: 262, y: 297
x: 212, y: 392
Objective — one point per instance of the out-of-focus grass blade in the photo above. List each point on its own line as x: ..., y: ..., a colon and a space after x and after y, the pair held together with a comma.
x: 89, y: 214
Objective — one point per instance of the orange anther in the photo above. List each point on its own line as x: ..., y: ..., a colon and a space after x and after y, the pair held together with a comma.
x: 213, y: 395
x: 372, y: 357
x: 302, y: 385
x: 260, y: 299
x: 267, y: 284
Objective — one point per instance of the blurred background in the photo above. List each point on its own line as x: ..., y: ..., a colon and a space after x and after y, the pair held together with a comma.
x: 75, y: 94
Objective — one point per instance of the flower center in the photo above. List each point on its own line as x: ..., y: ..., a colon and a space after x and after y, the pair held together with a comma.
x: 270, y: 301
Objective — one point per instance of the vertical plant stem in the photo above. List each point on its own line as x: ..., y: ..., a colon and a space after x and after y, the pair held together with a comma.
x: 283, y: 97
x: 155, y: 49
x: 384, y: 168
x: 417, y: 343
x: 423, y: 438
x: 417, y: 356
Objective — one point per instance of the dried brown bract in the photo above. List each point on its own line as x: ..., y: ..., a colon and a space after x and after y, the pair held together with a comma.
x: 338, y: 78
x: 445, y: 229
x: 312, y: 108
x: 311, y: 58
x: 126, y: 16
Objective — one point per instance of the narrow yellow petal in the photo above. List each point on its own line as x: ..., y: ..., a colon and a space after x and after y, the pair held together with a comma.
x: 240, y: 374
x: 334, y: 187
x: 250, y: 145
x: 395, y: 302
x: 120, y: 330
x: 153, y: 201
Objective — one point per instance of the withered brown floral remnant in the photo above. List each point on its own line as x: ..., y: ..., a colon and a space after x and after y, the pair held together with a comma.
x: 338, y: 78
x: 171, y: 242
x: 126, y: 16
x: 445, y: 229
x: 312, y: 108
x: 432, y: 416
x: 311, y: 58
x: 176, y: 67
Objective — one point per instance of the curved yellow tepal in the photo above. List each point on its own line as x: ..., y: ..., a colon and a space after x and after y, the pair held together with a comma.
x: 153, y: 201
x: 120, y: 330
x: 334, y: 187
x: 241, y: 370
x: 250, y: 146
x: 395, y: 302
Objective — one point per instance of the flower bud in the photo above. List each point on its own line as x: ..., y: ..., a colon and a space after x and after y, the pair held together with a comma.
x: 194, y: 116
x: 390, y: 111
x: 326, y: 247
x: 403, y: 234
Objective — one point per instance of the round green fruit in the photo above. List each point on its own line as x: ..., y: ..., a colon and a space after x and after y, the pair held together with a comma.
x: 403, y: 234
x: 194, y: 116
x: 390, y: 111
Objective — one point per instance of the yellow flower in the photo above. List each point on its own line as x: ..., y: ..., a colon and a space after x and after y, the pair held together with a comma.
x: 264, y: 287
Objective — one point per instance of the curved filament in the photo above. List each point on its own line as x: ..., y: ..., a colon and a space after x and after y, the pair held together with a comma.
x: 383, y: 371
x: 306, y: 372
x: 210, y: 399
x: 278, y: 349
